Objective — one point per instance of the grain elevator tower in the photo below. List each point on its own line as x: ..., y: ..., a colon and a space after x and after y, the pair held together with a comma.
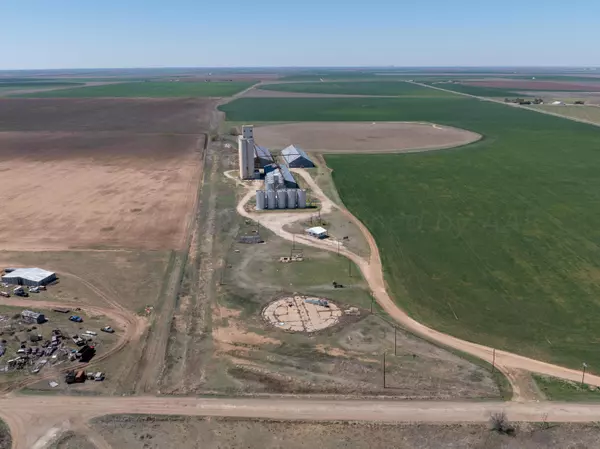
x: 246, y: 152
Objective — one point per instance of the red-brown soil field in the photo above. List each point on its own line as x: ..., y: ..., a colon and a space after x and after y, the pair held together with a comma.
x: 130, y: 183
x: 537, y: 85
x: 184, y: 116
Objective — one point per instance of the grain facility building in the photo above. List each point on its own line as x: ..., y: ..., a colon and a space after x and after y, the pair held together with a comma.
x: 296, y: 157
x: 279, y: 177
x: 29, y: 276
x: 263, y: 156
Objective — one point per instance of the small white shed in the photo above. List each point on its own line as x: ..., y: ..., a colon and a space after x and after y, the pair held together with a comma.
x: 317, y: 232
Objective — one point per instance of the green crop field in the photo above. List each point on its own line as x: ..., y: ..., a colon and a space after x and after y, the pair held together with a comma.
x: 6, y: 86
x: 391, y: 88
x: 150, y: 89
x: 497, y: 242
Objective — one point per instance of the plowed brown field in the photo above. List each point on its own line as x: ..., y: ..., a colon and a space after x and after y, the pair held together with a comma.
x: 99, y: 173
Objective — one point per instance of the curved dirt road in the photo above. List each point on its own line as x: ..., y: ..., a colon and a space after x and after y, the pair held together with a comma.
x: 372, y: 271
x: 34, y: 420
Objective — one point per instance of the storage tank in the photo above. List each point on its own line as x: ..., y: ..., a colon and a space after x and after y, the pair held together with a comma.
x: 281, y: 199
x: 291, y: 198
x: 260, y: 200
x: 301, y: 199
x: 271, y: 199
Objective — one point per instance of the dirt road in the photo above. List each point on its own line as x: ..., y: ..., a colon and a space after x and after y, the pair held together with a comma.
x: 37, y: 419
x: 372, y: 271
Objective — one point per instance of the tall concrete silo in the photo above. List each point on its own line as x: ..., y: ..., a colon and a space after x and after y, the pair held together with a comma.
x: 301, y: 199
x: 281, y: 199
x: 260, y: 200
x: 271, y: 204
x: 291, y: 198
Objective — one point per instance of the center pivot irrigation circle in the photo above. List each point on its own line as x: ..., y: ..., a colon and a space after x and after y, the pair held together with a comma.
x: 302, y: 313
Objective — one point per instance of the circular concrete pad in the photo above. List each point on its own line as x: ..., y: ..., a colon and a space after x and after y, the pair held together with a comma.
x: 301, y: 314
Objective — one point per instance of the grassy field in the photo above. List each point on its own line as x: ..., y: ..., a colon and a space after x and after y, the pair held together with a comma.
x: 590, y: 113
x: 564, y: 390
x: 149, y: 89
x: 497, y: 242
x: 5, y: 437
x: 382, y: 87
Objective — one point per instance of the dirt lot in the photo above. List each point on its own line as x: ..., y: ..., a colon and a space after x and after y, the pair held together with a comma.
x: 193, y: 433
x: 182, y: 116
x: 538, y: 85
x: 73, y: 190
x: 363, y: 137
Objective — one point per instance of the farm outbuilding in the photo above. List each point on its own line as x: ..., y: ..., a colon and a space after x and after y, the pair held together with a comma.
x: 263, y: 155
x: 29, y: 276
x: 296, y: 157
x: 278, y: 177
x: 32, y: 317
x: 317, y: 232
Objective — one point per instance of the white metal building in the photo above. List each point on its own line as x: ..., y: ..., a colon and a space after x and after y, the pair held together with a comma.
x: 29, y: 276
x: 317, y: 232
x: 296, y: 157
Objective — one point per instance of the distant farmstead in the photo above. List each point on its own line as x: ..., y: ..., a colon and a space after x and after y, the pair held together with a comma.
x: 296, y: 157
x: 29, y: 276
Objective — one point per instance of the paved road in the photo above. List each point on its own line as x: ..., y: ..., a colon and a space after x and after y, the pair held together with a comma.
x: 35, y: 419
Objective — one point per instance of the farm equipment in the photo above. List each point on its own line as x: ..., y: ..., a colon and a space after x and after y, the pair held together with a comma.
x: 20, y: 291
x: 76, y: 318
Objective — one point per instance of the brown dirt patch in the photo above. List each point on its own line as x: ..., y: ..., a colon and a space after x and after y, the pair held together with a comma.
x: 74, y: 190
x: 187, y: 116
x: 538, y: 85
x: 234, y: 334
x: 363, y: 137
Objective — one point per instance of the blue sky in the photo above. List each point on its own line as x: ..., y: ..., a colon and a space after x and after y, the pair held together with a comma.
x: 38, y: 34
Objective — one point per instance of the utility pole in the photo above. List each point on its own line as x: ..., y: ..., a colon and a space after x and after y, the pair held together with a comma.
x: 583, y: 374
x: 493, y: 359
x: 384, y: 369
x: 349, y: 268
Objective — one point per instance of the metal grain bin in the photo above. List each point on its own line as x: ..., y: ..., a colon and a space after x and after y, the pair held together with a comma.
x: 281, y: 199
x: 271, y: 199
x: 301, y: 199
x: 260, y: 200
x: 291, y: 198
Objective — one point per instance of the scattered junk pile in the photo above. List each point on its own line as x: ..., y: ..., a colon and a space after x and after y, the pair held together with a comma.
x: 80, y: 376
x: 293, y: 258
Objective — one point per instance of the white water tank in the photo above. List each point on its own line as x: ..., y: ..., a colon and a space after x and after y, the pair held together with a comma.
x: 281, y: 199
x: 301, y: 199
x: 291, y: 198
x: 271, y: 199
x: 260, y: 200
